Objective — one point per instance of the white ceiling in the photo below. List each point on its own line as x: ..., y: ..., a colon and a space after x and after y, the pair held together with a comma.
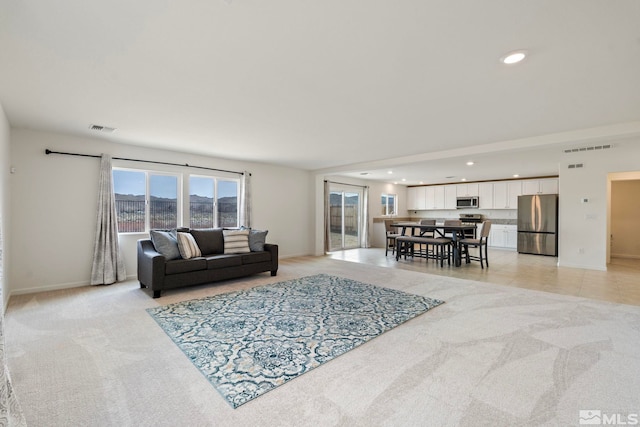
x: 334, y: 86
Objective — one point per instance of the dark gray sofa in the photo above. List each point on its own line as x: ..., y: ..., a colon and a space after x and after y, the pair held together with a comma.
x: 157, y: 273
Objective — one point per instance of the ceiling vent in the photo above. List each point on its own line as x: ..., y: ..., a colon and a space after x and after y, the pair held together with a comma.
x: 104, y: 129
x: 590, y: 148
x: 575, y: 166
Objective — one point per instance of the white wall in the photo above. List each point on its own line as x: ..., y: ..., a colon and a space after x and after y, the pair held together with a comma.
x: 583, y: 227
x: 5, y: 229
x: 54, y: 198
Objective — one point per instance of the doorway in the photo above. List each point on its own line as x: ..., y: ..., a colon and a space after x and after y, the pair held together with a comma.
x: 624, y: 232
x: 344, y: 217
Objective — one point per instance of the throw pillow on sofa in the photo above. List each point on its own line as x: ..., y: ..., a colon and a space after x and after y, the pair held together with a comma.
x: 257, y: 239
x: 188, y: 246
x: 209, y: 240
x: 236, y: 241
x: 166, y: 243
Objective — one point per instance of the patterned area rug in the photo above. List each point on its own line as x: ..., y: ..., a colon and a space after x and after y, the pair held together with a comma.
x: 249, y: 342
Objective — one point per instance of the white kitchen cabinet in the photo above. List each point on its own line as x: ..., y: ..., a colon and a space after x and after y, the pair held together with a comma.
x: 466, y: 190
x: 514, y: 190
x: 438, y: 197
x: 505, y: 194
x: 485, y: 194
x: 416, y: 198
x: 450, y: 196
x: 503, y: 236
x: 540, y: 186
x: 549, y: 186
x: 430, y: 197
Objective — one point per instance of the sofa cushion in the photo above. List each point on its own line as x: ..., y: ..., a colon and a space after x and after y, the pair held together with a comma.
x: 222, y: 261
x: 185, y: 265
x: 236, y: 241
x: 209, y: 240
x: 188, y: 246
x: 166, y: 243
x: 255, y: 257
x: 257, y: 239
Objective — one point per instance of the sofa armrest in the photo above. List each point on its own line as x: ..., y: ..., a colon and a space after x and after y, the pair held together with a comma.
x: 151, y: 265
x: 270, y: 247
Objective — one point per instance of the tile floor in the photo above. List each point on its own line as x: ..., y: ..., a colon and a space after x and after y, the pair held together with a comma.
x: 620, y: 283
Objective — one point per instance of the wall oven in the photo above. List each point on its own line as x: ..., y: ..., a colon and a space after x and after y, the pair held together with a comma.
x: 467, y: 203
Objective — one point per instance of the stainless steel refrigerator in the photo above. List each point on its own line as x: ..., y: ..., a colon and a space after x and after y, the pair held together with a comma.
x: 538, y: 224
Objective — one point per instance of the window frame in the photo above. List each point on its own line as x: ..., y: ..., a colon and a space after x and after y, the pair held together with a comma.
x: 216, y: 182
x: 386, y: 204
x: 147, y: 196
x: 183, y: 214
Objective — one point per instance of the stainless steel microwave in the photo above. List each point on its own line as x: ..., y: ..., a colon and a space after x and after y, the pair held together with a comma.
x: 467, y: 203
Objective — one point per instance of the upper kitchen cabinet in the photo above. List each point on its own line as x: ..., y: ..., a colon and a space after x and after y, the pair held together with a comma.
x: 435, y: 197
x: 485, y: 195
x: 505, y: 194
x: 466, y: 190
x: 416, y: 198
x: 450, y: 196
x: 540, y: 186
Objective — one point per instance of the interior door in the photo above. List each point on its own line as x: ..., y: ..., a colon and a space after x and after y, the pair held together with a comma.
x: 345, y: 210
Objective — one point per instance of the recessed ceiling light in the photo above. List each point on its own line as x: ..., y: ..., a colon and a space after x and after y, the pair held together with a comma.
x: 421, y: 182
x: 404, y: 179
x: 463, y: 179
x: 515, y: 175
x: 513, y: 57
x: 470, y: 163
x: 396, y: 183
x: 390, y: 172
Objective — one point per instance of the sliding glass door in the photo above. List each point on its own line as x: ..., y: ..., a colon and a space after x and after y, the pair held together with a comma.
x: 345, y: 213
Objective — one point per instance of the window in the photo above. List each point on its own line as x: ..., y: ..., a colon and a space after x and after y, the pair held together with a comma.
x: 147, y: 200
x: 213, y: 202
x: 389, y: 204
x: 138, y: 213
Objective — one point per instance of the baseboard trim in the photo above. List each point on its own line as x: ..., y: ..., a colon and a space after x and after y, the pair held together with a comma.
x: 625, y: 256
x: 585, y: 267
x: 56, y: 287
x: 59, y: 286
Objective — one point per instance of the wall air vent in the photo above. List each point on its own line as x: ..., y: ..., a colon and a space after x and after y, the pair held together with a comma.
x: 590, y: 148
x: 104, y: 129
x: 575, y: 166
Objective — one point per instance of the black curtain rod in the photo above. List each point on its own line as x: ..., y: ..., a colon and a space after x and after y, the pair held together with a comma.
x: 47, y: 151
x: 344, y: 183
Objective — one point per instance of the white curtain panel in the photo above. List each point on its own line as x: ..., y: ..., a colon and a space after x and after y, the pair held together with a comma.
x: 327, y: 216
x: 108, y: 266
x: 245, y: 200
x: 365, y: 217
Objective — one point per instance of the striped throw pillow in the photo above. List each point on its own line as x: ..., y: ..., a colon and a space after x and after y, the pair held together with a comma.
x: 236, y: 241
x: 188, y: 246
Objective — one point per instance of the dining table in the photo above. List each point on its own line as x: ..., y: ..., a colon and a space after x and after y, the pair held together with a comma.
x: 457, y: 233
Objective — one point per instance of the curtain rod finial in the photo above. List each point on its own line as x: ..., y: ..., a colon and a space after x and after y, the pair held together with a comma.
x: 47, y: 151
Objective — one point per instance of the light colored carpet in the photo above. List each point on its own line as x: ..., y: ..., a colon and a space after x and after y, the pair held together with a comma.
x: 491, y: 355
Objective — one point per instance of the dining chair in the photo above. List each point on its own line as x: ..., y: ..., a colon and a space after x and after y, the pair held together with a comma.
x: 481, y: 243
x: 426, y: 251
x: 391, y: 233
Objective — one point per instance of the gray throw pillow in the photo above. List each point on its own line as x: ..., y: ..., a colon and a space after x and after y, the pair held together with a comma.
x: 257, y: 239
x: 166, y: 243
x: 209, y: 240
